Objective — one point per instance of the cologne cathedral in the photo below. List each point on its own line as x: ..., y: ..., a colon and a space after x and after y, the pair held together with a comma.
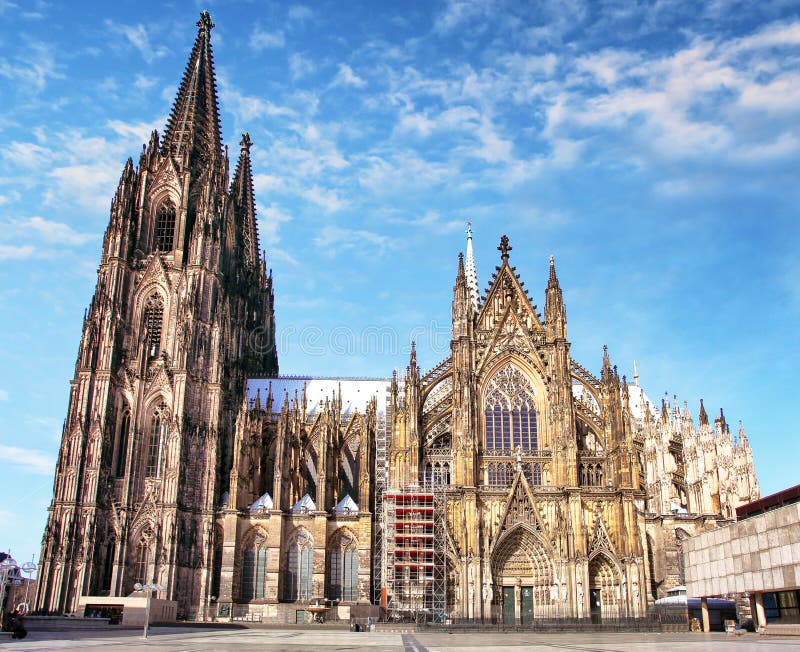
x: 507, y: 483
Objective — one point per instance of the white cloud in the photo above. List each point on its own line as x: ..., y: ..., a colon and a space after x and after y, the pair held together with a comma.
x: 85, y: 184
x: 261, y: 39
x: 328, y: 200
x: 334, y: 239
x: 56, y: 232
x: 300, y: 66
x: 137, y: 36
x: 13, y: 252
x: 269, y: 224
x: 33, y: 66
x: 300, y: 13
x: 247, y: 108
x: 3, y: 395
x: 346, y: 77
x: 457, y: 12
x: 33, y: 461
x: 143, y: 82
x: 27, y: 155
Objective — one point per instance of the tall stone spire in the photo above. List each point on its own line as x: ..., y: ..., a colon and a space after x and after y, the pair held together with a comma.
x: 245, y: 204
x: 555, y: 315
x: 193, y: 132
x: 471, y: 273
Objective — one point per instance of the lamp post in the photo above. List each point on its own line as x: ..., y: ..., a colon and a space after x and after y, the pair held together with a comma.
x: 29, y: 568
x: 7, y: 567
x: 149, y: 589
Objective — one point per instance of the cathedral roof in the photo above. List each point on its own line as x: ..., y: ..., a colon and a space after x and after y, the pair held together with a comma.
x: 346, y: 506
x: 305, y: 504
x: 355, y: 393
x: 263, y: 503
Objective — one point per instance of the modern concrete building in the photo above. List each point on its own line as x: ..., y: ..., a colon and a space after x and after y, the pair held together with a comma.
x: 759, y: 555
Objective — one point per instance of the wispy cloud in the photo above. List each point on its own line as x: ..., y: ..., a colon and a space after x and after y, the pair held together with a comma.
x: 346, y: 77
x: 33, y: 66
x: 31, y: 460
x: 333, y: 240
x: 261, y: 39
x: 138, y: 37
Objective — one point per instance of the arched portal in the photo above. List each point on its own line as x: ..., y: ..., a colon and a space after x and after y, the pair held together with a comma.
x: 605, y: 588
x: 522, y: 572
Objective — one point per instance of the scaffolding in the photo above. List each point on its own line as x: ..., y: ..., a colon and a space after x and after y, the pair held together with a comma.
x: 382, y: 437
x: 415, y: 560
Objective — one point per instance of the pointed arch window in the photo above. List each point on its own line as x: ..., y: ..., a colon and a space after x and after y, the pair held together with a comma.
x: 299, y: 568
x: 121, y: 453
x: 152, y: 321
x: 141, y: 562
x: 510, y: 412
x: 343, y: 570
x: 254, y: 569
x: 159, y: 426
x: 164, y: 232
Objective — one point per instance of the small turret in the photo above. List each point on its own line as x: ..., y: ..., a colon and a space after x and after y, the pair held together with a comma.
x: 555, y: 314
x: 703, y: 416
x: 462, y: 309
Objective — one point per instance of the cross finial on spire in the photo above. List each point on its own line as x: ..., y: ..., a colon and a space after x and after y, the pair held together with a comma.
x: 504, y: 247
x: 246, y: 143
x: 469, y: 230
x: 205, y: 23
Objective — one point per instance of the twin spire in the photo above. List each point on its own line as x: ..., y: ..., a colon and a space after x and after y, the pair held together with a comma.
x: 193, y: 138
x: 193, y: 133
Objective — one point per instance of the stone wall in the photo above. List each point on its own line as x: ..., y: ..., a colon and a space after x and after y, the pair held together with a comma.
x: 757, y: 554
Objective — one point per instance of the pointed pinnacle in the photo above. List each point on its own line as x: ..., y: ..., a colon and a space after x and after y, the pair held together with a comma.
x: 205, y: 23
x: 246, y: 143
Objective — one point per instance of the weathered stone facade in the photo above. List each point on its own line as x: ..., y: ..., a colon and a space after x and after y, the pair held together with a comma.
x: 186, y: 460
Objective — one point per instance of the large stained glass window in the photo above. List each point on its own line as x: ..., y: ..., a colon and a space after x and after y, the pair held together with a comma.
x: 510, y: 412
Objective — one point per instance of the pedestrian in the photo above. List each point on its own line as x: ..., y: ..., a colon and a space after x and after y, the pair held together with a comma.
x: 18, y: 625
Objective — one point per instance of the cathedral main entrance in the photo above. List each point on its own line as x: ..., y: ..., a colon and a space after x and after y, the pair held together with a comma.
x: 522, y: 566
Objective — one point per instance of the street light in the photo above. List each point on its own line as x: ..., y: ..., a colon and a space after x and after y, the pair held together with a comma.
x: 149, y: 589
x: 7, y: 567
x: 29, y: 568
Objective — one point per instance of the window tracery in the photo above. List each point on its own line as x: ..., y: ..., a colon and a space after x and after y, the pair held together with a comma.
x: 122, y: 444
x: 159, y: 426
x: 299, y: 567
x: 510, y: 413
x: 152, y: 321
x: 343, y: 569
x: 254, y: 568
x: 164, y: 231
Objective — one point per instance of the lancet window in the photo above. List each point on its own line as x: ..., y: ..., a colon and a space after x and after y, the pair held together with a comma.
x: 299, y: 568
x: 164, y: 232
x: 141, y: 562
x: 590, y: 475
x: 152, y: 321
x: 254, y: 569
x: 510, y: 412
x: 500, y: 474
x: 437, y: 473
x: 343, y: 571
x: 122, y: 444
x: 159, y: 426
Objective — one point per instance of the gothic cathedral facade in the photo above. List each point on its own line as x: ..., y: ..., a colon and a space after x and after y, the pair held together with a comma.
x: 507, y: 483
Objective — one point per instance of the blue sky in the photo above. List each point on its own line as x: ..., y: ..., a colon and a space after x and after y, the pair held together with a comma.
x: 652, y: 147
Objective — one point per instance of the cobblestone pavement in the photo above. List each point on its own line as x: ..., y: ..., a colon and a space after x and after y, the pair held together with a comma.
x: 175, y: 639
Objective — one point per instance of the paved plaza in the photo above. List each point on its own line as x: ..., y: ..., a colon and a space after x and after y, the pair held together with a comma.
x: 177, y: 639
